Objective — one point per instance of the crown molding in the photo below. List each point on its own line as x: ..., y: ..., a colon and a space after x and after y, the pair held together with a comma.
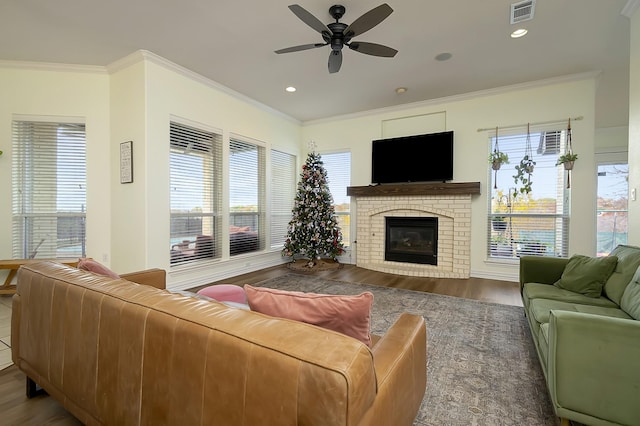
x: 125, y: 62
x: 145, y: 55
x: 53, y: 66
x: 462, y: 97
x: 630, y: 8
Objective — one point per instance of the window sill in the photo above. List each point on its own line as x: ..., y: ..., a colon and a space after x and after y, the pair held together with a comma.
x: 501, y: 261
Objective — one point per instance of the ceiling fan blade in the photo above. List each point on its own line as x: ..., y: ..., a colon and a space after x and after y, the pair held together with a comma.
x: 309, y: 19
x: 373, y: 49
x: 335, y: 61
x: 368, y: 20
x: 301, y: 47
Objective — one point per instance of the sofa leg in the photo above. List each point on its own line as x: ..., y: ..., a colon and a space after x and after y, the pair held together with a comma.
x: 564, y: 422
x: 33, y: 389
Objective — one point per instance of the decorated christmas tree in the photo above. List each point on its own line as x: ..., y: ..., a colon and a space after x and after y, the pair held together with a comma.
x: 313, y: 231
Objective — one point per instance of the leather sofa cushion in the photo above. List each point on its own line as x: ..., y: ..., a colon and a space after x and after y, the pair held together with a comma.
x: 587, y: 275
x: 350, y: 315
x: 628, y: 263
x: 532, y: 291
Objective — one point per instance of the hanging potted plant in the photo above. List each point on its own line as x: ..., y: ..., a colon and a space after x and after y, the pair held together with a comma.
x: 567, y: 160
x: 497, y: 159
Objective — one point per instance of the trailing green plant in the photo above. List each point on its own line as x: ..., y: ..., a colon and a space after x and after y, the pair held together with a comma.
x: 523, y: 174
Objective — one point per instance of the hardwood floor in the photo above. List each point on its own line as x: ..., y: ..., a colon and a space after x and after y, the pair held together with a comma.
x: 16, y: 409
x: 502, y: 292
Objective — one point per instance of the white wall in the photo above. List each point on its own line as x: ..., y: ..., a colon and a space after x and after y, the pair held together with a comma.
x: 634, y: 130
x: 44, y: 91
x: 551, y: 100
x: 612, y: 139
x: 162, y: 90
x: 128, y: 224
x: 128, y: 210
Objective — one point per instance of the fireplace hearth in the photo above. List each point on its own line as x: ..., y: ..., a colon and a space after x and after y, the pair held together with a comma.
x: 411, y: 240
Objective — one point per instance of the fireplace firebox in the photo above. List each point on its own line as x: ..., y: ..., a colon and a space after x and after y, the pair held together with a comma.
x: 411, y: 240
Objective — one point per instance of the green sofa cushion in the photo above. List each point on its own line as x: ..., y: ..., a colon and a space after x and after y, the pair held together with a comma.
x: 543, y: 344
x: 587, y: 275
x: 628, y: 263
x: 541, y: 308
x: 532, y: 291
x: 630, y: 302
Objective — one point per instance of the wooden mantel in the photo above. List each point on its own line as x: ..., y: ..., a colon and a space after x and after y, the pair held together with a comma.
x: 403, y: 189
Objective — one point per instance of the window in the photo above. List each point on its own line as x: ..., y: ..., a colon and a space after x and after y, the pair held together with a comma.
x: 338, y: 167
x: 283, y: 193
x: 195, y: 193
x: 612, y: 206
x: 246, y: 196
x: 49, y: 190
x: 536, y: 223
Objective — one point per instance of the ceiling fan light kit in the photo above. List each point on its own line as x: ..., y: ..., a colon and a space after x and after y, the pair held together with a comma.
x: 338, y: 34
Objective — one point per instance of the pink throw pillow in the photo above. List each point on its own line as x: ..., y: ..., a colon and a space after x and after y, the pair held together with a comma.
x: 98, y: 268
x: 350, y: 315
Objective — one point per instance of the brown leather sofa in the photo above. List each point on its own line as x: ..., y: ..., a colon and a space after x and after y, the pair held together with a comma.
x: 118, y: 353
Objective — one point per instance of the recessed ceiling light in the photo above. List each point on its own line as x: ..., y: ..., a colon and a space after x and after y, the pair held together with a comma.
x: 445, y: 56
x: 290, y: 89
x: 519, y: 33
x: 401, y: 90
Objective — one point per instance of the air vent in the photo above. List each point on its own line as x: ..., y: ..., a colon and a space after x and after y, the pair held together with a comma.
x: 550, y: 143
x: 522, y: 11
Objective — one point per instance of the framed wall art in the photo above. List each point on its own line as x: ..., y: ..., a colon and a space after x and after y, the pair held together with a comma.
x: 126, y: 162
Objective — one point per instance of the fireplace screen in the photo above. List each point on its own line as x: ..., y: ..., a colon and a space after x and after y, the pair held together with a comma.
x: 411, y: 239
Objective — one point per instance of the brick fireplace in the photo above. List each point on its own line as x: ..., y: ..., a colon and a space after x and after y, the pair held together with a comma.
x: 450, y: 203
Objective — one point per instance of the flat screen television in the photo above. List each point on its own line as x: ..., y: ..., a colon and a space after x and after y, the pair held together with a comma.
x: 419, y: 158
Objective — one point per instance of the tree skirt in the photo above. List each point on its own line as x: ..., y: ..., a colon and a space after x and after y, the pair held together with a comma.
x: 302, y: 265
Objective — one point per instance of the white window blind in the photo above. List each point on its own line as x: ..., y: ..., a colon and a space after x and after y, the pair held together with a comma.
x: 529, y: 224
x: 49, y: 190
x: 283, y: 193
x: 195, y: 193
x: 338, y: 167
x: 246, y: 196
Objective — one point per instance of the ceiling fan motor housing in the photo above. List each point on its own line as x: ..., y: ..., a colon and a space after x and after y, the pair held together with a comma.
x: 337, y: 38
x: 337, y: 11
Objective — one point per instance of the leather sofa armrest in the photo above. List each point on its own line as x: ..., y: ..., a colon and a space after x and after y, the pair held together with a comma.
x: 400, y: 360
x: 541, y: 269
x: 593, y: 369
x: 16, y: 310
x: 152, y: 277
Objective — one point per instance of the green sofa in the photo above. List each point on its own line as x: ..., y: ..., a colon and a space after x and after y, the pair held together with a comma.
x: 588, y: 345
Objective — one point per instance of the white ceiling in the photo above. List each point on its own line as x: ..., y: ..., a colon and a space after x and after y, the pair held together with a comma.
x: 232, y: 43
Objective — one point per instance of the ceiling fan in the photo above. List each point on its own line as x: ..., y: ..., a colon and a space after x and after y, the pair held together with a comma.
x: 338, y: 34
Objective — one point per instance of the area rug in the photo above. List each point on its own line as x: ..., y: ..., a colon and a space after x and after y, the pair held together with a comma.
x: 482, y: 368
